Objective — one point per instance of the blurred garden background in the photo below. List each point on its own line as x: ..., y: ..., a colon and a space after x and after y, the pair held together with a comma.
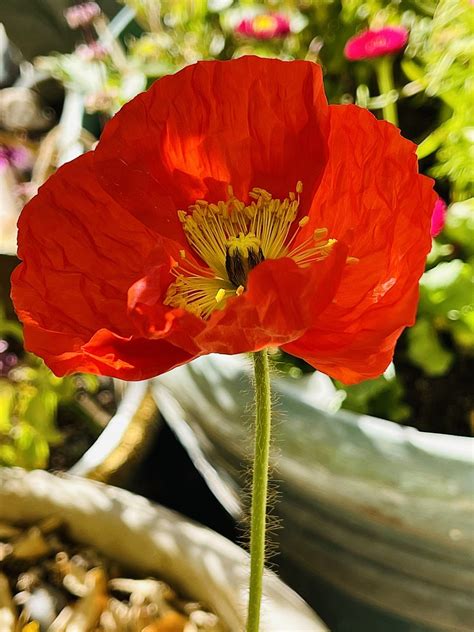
x: 65, y: 69
x: 61, y: 82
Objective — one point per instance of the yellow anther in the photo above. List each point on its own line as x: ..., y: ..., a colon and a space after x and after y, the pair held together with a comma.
x: 231, y: 238
x: 263, y: 193
x: 352, y: 260
x: 243, y: 245
x: 220, y: 295
x: 320, y: 233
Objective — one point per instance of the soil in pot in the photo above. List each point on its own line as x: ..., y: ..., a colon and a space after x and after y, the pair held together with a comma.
x: 50, y: 583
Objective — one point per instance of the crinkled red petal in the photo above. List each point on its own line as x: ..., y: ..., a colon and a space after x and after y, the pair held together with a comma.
x: 246, y: 122
x: 98, y: 242
x: 282, y: 300
x: 81, y: 252
x: 371, y: 185
x: 132, y: 358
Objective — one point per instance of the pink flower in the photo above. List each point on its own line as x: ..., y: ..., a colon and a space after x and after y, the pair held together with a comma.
x: 81, y: 14
x: 375, y: 43
x: 18, y: 157
x: 264, y: 26
x: 438, y: 219
x: 92, y: 51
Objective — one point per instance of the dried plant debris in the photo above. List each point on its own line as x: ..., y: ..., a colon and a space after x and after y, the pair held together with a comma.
x: 48, y: 583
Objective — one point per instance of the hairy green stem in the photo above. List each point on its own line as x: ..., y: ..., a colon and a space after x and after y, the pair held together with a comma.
x: 384, y: 70
x: 259, y: 486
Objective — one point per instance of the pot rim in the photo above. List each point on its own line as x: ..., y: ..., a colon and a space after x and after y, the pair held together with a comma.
x: 150, y: 538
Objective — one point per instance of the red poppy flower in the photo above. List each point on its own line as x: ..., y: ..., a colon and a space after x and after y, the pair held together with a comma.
x: 227, y: 209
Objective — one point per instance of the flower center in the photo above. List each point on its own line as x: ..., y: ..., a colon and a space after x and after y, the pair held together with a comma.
x: 232, y: 238
x: 264, y: 23
x: 242, y: 254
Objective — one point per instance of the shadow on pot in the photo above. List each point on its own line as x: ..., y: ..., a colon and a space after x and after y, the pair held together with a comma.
x: 377, y: 518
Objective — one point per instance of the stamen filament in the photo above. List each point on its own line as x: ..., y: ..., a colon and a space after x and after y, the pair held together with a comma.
x: 231, y: 238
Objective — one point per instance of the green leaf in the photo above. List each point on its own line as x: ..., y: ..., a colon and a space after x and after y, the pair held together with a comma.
x: 41, y: 414
x: 460, y: 224
x: 434, y: 140
x: 446, y: 287
x: 10, y: 328
x: 463, y: 330
x: 412, y: 70
x: 382, y: 397
x: 7, y: 400
x: 426, y: 351
x: 8, y: 456
x: 32, y: 448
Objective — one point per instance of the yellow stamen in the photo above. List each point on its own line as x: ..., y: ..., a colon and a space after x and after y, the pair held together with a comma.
x: 243, y: 245
x: 220, y: 295
x: 232, y: 237
x: 198, y: 295
x: 320, y: 233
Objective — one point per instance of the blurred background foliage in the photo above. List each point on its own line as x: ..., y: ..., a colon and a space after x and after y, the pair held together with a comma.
x: 430, y: 383
x: 30, y: 396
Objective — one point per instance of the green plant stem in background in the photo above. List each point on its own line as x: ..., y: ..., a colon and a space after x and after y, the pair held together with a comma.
x: 384, y: 71
x: 259, y: 486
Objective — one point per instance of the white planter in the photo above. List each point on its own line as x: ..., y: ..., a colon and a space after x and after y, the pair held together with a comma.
x: 125, y: 440
x: 372, y: 511
x: 153, y: 540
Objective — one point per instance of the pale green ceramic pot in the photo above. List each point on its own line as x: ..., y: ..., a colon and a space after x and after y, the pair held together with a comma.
x: 377, y: 518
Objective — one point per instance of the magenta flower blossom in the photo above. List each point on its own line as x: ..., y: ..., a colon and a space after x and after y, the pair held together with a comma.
x: 264, y: 26
x: 438, y: 219
x: 81, y: 14
x: 376, y: 43
x: 17, y: 157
